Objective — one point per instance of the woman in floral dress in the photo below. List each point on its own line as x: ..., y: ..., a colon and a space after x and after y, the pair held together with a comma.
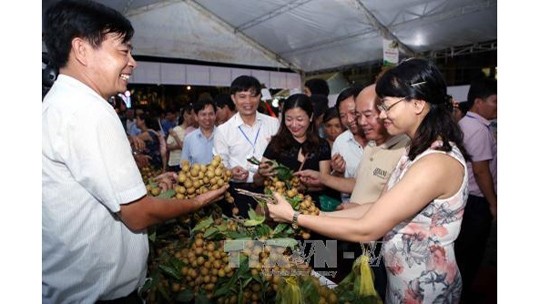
x: 420, y: 213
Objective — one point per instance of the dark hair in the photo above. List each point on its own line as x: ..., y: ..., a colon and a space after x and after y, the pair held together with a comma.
x: 205, y: 95
x: 224, y: 100
x: 202, y: 103
x: 245, y: 83
x: 187, y: 108
x: 422, y: 80
x: 117, y: 102
x: 150, y: 121
x: 330, y: 114
x: 481, y: 88
x: 318, y: 86
x: 464, y: 107
x: 351, y: 91
x: 170, y: 109
x: 89, y: 20
x: 283, y: 140
x: 320, y: 104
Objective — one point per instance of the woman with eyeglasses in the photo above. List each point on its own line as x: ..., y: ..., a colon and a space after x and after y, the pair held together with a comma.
x: 420, y: 212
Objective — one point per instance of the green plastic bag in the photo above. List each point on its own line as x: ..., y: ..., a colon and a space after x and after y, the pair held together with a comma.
x: 328, y: 203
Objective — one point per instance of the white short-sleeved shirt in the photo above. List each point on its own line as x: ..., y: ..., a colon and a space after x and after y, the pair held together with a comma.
x: 176, y: 154
x: 352, y: 152
x: 236, y: 141
x: 88, y: 171
x: 350, y: 149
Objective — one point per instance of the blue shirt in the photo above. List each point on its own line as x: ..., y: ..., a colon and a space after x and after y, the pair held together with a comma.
x: 166, y: 125
x: 197, y: 148
x: 131, y: 128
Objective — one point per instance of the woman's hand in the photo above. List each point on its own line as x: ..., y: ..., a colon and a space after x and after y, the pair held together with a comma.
x: 137, y: 143
x: 281, y: 211
x: 266, y: 169
x: 310, y: 178
x: 179, y: 142
x: 239, y: 174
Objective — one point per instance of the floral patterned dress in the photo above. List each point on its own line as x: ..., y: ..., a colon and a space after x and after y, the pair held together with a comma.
x: 419, y: 253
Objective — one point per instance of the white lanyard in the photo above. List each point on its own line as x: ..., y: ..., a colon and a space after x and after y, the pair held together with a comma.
x: 247, y: 138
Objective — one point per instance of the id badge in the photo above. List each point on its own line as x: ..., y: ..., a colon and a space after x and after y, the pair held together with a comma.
x: 252, y: 168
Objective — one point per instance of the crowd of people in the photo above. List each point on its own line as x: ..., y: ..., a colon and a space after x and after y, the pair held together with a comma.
x: 413, y: 177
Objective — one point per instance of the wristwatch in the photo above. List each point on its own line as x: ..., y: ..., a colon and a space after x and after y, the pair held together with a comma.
x: 295, y: 220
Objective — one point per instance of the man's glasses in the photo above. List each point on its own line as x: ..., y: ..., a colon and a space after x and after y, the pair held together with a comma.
x: 383, y: 107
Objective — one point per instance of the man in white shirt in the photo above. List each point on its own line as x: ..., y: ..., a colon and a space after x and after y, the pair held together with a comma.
x: 243, y: 136
x: 349, y: 146
x: 95, y: 210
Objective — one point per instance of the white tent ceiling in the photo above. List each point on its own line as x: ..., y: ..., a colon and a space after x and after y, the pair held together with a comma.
x: 304, y: 35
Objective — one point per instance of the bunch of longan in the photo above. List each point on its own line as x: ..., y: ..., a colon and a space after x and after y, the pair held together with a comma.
x: 199, y: 178
x: 205, y: 262
x: 147, y: 173
x: 299, y: 201
x: 274, y: 184
x: 307, y: 206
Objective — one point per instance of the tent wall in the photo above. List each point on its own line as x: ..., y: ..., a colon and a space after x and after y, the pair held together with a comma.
x: 188, y: 74
x: 306, y: 36
x: 459, y: 92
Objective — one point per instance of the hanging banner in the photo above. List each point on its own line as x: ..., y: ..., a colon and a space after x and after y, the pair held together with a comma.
x: 390, y: 52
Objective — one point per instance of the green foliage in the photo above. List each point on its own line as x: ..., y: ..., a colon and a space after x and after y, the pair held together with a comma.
x: 167, y: 194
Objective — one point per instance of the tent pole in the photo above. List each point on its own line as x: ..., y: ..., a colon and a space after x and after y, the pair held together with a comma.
x: 255, y: 44
x: 384, y: 30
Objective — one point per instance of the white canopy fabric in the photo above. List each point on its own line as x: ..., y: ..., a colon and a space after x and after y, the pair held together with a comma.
x: 302, y: 35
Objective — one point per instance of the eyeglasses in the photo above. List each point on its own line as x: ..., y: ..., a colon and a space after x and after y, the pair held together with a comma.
x: 383, y: 107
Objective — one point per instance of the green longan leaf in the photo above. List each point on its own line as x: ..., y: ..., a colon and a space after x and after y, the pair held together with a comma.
x: 184, y: 296
x: 210, y: 232
x: 201, y: 299
x: 171, y: 271
x: 254, y: 219
x: 152, y: 236
x: 236, y: 235
x: 251, y: 223
x: 282, y: 242
x: 280, y: 228
x: 167, y: 194
x: 203, y: 224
